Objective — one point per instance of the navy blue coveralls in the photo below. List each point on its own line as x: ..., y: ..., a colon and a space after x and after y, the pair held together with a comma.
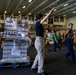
x: 69, y: 44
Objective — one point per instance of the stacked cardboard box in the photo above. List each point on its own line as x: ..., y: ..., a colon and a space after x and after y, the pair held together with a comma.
x: 22, y: 42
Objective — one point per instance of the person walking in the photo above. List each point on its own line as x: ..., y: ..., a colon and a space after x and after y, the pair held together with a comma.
x: 69, y: 42
x: 55, y: 40
x: 39, y: 45
x: 59, y: 39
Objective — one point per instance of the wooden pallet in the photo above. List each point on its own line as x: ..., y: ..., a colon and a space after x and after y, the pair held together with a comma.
x: 14, y: 65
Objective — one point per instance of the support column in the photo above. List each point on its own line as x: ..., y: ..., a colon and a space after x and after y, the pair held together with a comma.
x: 4, y: 17
x: 34, y: 18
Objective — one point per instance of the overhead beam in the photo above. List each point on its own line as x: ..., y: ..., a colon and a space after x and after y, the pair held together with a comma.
x: 18, y: 6
x: 61, y: 6
x: 65, y: 8
x: 51, y: 5
x: 71, y: 15
x: 8, y: 4
x: 68, y: 11
x: 39, y: 5
x: 29, y: 6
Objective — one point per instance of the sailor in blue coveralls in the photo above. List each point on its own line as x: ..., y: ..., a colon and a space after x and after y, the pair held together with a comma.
x: 69, y: 42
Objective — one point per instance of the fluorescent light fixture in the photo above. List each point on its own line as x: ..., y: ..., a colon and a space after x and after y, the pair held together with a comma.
x: 24, y: 7
x: 65, y: 5
x: 19, y: 11
x: 29, y: 13
x: 30, y: 1
x: 5, y: 12
x: 74, y: 12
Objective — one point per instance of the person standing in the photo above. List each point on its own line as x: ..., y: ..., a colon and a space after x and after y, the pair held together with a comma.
x: 39, y: 45
x: 69, y: 42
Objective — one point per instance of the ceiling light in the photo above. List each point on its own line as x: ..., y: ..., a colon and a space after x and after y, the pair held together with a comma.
x: 24, y: 7
x: 19, y: 11
x: 65, y: 4
x: 29, y: 13
x: 5, y: 12
x: 29, y: 0
x: 74, y: 12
